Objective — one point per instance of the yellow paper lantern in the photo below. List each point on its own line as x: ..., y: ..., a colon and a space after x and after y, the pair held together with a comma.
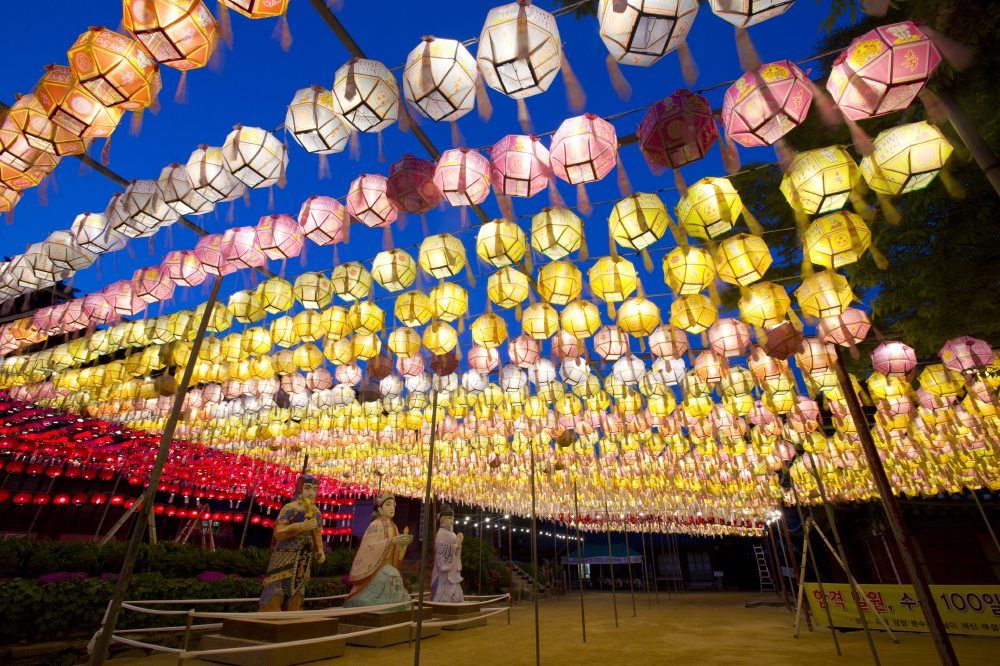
x: 489, y: 330
x: 307, y: 356
x: 442, y: 256
x: 340, y: 351
x: 449, y: 301
x: 556, y: 232
x: 231, y: 348
x: 283, y: 332
x: 309, y: 325
x: 710, y: 208
x: 638, y: 317
x: 764, y: 304
x: 693, y: 313
x: 413, y: 308
x: 395, y: 270
x: 742, y: 259
x: 688, y: 272
x: 905, y: 158
x: 219, y: 319
x: 404, y: 342
x: 500, y: 243
x: 366, y: 346
x: 581, y: 319
x: 560, y: 282
x: 246, y: 307
x: 440, y: 338
x: 313, y: 290
x: 275, y: 295
x: 836, y: 239
x: 612, y: 280
x: 337, y: 322
x: 540, y: 320
x: 638, y: 221
x: 508, y: 287
x: 366, y: 317
x: 257, y: 341
x: 821, y: 180
x: 824, y: 294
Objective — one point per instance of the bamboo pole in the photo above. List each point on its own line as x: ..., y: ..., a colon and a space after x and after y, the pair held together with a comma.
x: 984, y: 156
x: 534, y: 554
x: 107, y: 506
x: 579, y: 560
x: 920, y: 585
x: 428, y: 524
x: 802, y: 585
x: 777, y: 563
x: 611, y: 559
x: 656, y: 583
x: 795, y: 564
x: 645, y: 568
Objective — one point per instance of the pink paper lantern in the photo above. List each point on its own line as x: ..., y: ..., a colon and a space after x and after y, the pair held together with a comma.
x: 411, y: 185
x: 152, y: 284
x: 781, y: 341
x: 894, y: 359
x: 728, y: 337
x: 123, y: 299
x: 565, y: 346
x: 412, y: 366
x: 483, y: 359
x: 966, y: 354
x: 74, y: 318
x: 369, y: 202
x: 98, y: 308
x: 610, y: 342
x: 324, y: 220
x: 847, y: 329
x: 678, y: 130
x: 349, y: 373
x: 319, y: 380
x: 524, y: 350
x: 462, y: 176
x: 279, y: 236
x: 42, y: 321
x: 184, y: 268
x: 763, y: 106
x: 239, y: 247
x: 209, y: 253
x: 584, y: 149
x: 519, y: 166
x: 883, y: 70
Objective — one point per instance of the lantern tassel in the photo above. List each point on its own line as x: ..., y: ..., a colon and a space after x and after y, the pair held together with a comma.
x: 135, y: 127
x: 106, y: 152
x: 654, y: 168
x: 555, y: 198
x: 682, y: 188
x: 381, y: 153
x: 879, y: 258
x: 351, y: 84
x: 730, y: 154
x: 524, y: 117
x: 784, y: 155
x: 151, y: 246
x: 528, y: 263
x: 936, y: 110
x: 518, y: 313
x: 270, y: 197
x: 954, y: 188
x: 246, y: 196
x: 130, y: 249
x: 888, y: 210
x: 575, y: 96
x: 282, y: 175
x: 689, y: 70
x: 336, y: 256
x: 423, y: 225
x: 303, y: 255
x: 582, y: 202
x: 354, y: 147
x: 828, y: 111
x: 483, y: 100
x: 584, y: 250
x: 506, y: 207
x: 387, y: 238
x: 286, y: 34
x: 752, y: 222
x: 472, y: 277
x: 231, y: 213
x: 43, y: 192
x: 749, y: 60
x: 100, y: 275
x: 324, y: 168
x: 457, y: 140
x: 862, y: 142
x: 860, y: 206
x: 647, y: 260
x: 957, y: 54
x: 624, y: 186
x: 225, y: 24
x: 618, y: 81
x: 181, y: 96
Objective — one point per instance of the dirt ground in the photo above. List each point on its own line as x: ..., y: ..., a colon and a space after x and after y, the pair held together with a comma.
x: 701, y: 629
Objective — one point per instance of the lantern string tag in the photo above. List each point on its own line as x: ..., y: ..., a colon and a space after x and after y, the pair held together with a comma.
x: 483, y: 99
x: 889, y: 211
x: 575, y: 96
x: 106, y: 152
x: 524, y: 117
x: 231, y: 213
x: 618, y: 81
x: 151, y: 246
x: 282, y: 33
x: 582, y: 202
x: 324, y: 168
x: 957, y: 54
x: 689, y: 70
x: 181, y: 96
x: 679, y: 183
x: 936, y: 109
x: 381, y: 153
x: 828, y: 110
x: 749, y: 60
x: 135, y: 127
x: 129, y: 249
x: 225, y: 24
x: 423, y: 225
x: 624, y: 185
x: 752, y: 224
x: 100, y: 275
x: 730, y: 155
x: 457, y: 140
x: 506, y: 206
x: 354, y: 147
x: 270, y: 197
x: 880, y: 260
x: 43, y: 194
x: 387, y: 238
x: 862, y: 142
x: 654, y: 168
x: 954, y: 188
x: 584, y: 250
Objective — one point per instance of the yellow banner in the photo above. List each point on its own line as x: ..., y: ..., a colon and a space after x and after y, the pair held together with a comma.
x: 965, y: 609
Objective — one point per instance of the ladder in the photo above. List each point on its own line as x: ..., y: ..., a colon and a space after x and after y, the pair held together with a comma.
x: 766, y: 582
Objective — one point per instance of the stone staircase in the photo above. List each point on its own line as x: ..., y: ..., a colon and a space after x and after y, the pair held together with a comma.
x: 524, y: 589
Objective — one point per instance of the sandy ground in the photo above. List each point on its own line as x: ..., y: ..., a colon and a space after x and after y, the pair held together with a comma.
x: 702, y: 629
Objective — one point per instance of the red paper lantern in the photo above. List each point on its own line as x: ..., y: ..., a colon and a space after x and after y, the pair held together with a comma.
x: 117, y: 500
x: 227, y: 517
x: 129, y: 503
x: 171, y: 511
x: 411, y: 186
x: 368, y: 201
x: 158, y: 509
x: 677, y: 130
x: 134, y: 480
x: 4, y: 495
x: 35, y: 469
x: 106, y: 474
x: 238, y: 517
x: 89, y: 474
x: 41, y: 498
x: 74, y: 473
x: 79, y: 499
x: 99, y: 498
x: 255, y: 520
x: 22, y: 498
x: 54, y: 471
x: 61, y: 499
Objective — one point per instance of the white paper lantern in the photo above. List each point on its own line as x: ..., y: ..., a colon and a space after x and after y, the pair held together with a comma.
x: 210, y: 176
x: 499, y: 53
x: 65, y: 253
x: 440, y: 79
x: 640, y: 32
x: 178, y: 192
x: 314, y: 123
x: 255, y: 156
x: 146, y: 208
x: 365, y: 94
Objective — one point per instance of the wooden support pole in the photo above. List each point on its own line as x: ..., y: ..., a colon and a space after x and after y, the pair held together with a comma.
x: 628, y: 558
x: 920, y: 585
x: 428, y: 525
x: 611, y: 559
x: 984, y: 156
x: 777, y: 564
x: 107, y: 507
x: 534, y: 554
x: 656, y: 583
x: 795, y: 564
x: 125, y: 577
x: 579, y: 559
x: 802, y: 585
x: 645, y: 568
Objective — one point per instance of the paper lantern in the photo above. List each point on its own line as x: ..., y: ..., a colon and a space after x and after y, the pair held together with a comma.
x: 413, y: 308
x: 411, y: 185
x: 32, y: 122
x: 72, y: 107
x: 440, y: 79
x: 580, y: 319
x: 584, y: 149
x: 256, y: 9
x: 442, y: 255
x: 114, y: 69
x: 366, y: 94
x: 966, y: 354
x: 710, y: 208
x: 846, y: 329
x: 638, y: 316
x: 540, y: 321
x: 239, y: 247
x: 368, y: 201
x: 122, y: 298
x: 612, y: 279
x: 508, y: 287
x: 728, y: 337
x: 275, y: 295
x: 893, y: 359
x: 65, y: 253
x: 668, y: 342
x: 178, y: 192
x: 882, y: 70
x: 448, y: 301
x: 939, y: 381
x: 17, y: 153
x: 97, y: 308
x: 679, y: 129
x: 556, y: 232
x: 395, y: 270
x: 501, y: 62
x: 146, y: 208
x: 781, y: 341
x: 694, y: 313
x: 764, y: 105
x: 351, y: 281
x: 440, y: 338
x: 748, y: 12
x: 211, y: 177
x: 36, y: 259
x: 764, y: 304
x: 640, y: 32
x: 246, y: 307
x: 178, y: 33
x: 314, y: 291
x: 279, y: 236
x: 500, y: 243
x: 337, y: 322
x: 518, y: 166
x: 821, y: 180
x: 610, y: 342
x: 638, y: 221
x: 366, y: 317
x: 340, y: 351
x: 824, y: 294
x: 905, y: 158
x: 152, y: 285
x: 560, y: 282
x: 688, y: 272
x: 462, y: 176
x: 836, y: 239
x: 255, y: 157
x: 314, y: 123
x: 307, y: 356
x: 11, y: 178
x: 8, y: 199
x: 742, y: 259
x: 489, y: 330
x: 404, y: 342
x: 323, y: 220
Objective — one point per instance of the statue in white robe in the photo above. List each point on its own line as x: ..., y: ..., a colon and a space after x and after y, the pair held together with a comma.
x: 375, y: 572
x: 446, y: 579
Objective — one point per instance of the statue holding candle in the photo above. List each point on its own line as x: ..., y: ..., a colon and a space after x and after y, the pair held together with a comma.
x: 296, y: 542
x: 375, y: 572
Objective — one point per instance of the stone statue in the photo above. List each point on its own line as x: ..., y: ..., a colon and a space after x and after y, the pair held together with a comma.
x: 446, y: 578
x: 296, y: 541
x: 375, y: 572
